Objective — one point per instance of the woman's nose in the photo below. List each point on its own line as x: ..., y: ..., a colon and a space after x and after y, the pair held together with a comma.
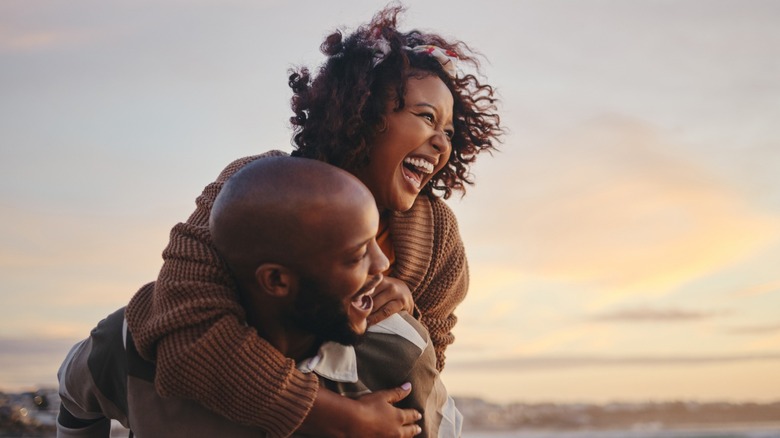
x: 440, y: 142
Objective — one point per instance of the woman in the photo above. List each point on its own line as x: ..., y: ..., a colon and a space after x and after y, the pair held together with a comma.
x: 390, y: 108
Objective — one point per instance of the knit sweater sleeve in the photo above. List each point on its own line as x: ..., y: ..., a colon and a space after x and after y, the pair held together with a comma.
x: 191, y: 323
x: 447, y: 281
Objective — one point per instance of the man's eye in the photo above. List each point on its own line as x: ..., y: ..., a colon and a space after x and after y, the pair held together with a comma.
x: 449, y: 133
x: 360, y: 258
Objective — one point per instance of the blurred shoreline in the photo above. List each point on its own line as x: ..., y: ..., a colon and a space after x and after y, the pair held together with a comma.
x: 480, y: 415
x: 33, y: 413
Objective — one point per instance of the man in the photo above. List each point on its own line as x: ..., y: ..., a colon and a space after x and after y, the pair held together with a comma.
x: 299, y: 238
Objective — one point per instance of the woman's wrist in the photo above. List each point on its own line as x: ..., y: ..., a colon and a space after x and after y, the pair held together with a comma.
x: 329, y: 415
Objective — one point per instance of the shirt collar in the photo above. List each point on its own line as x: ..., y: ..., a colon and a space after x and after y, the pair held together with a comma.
x: 334, y: 362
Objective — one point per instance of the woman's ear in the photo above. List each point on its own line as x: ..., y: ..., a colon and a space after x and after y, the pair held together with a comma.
x: 275, y: 280
x: 384, y: 125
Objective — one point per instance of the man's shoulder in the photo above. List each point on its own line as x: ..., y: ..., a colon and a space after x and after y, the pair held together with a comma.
x: 394, y: 351
x: 405, y: 327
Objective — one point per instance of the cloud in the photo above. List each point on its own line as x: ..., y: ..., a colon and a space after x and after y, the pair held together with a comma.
x: 759, y: 329
x: 645, y: 314
x: 616, y: 209
x: 531, y: 339
x: 29, y: 41
x: 62, y: 272
x: 16, y: 347
x: 46, y: 238
x: 21, y: 40
x: 560, y: 362
x: 759, y: 289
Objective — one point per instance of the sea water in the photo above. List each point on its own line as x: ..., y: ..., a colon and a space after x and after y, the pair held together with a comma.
x: 768, y: 431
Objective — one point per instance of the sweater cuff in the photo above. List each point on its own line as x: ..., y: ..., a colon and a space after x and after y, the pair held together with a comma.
x: 289, y: 412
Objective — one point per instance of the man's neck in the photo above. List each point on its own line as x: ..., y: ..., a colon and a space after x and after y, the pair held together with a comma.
x: 302, y: 347
x: 293, y: 343
x: 289, y: 340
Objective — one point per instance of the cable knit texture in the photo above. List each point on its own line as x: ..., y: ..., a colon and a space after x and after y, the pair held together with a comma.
x: 190, y: 321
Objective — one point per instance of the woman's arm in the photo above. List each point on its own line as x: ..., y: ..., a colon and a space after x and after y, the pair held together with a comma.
x: 446, y: 282
x: 372, y: 415
x: 191, y: 323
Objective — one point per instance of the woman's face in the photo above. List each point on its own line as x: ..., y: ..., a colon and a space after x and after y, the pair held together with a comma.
x: 413, y: 148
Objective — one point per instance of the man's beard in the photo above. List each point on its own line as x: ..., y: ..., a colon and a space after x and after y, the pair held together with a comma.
x: 321, y: 314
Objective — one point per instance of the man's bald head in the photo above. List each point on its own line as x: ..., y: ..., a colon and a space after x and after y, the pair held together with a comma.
x: 280, y: 210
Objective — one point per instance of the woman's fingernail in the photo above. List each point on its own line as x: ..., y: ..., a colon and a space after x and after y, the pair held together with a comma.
x: 406, y: 386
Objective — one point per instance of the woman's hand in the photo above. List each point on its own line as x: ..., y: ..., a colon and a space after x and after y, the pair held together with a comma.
x: 385, y: 420
x: 372, y: 415
x: 391, y: 296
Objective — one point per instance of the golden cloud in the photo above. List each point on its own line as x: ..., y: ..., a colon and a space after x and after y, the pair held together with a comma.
x: 615, y: 209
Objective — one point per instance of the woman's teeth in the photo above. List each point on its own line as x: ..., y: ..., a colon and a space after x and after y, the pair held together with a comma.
x: 415, y: 168
x: 412, y: 177
x: 423, y: 166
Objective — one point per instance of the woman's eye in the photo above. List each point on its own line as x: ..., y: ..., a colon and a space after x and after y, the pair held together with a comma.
x: 449, y: 133
x: 428, y: 116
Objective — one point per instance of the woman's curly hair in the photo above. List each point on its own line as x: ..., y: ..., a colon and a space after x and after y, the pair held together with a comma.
x: 340, y: 111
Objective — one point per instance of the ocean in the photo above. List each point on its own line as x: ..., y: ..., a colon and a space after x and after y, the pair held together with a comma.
x: 741, y: 431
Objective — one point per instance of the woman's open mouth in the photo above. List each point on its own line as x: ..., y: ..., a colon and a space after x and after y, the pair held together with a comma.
x: 415, y: 170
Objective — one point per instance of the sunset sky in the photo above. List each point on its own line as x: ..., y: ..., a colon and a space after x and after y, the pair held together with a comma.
x: 624, y: 244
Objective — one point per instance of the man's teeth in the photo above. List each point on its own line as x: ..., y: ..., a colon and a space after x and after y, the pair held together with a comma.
x: 422, y: 165
x: 364, y: 301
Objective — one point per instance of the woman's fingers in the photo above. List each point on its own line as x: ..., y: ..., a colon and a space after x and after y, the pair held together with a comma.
x: 385, y: 420
x: 408, y: 417
x: 385, y: 311
x: 391, y: 296
x: 412, y: 430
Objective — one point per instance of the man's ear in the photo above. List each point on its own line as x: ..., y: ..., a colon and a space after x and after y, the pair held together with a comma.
x: 275, y: 280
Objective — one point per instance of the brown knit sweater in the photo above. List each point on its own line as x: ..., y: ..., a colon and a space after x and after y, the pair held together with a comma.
x: 191, y: 323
